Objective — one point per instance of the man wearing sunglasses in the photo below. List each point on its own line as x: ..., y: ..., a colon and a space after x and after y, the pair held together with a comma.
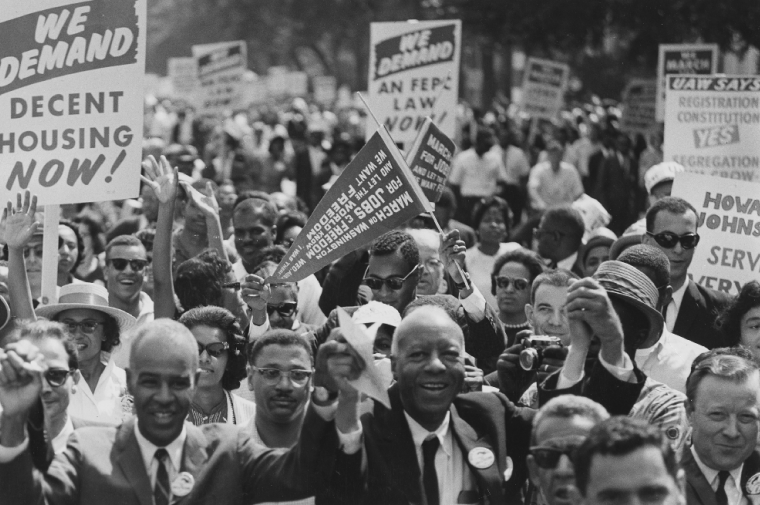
x: 672, y: 227
x: 559, y: 428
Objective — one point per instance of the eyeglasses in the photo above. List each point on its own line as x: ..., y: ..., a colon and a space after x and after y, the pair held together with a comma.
x: 555, y: 234
x: 299, y: 378
x: 214, y: 349
x: 121, y: 264
x: 88, y: 327
x: 519, y: 283
x: 285, y: 309
x: 56, y: 377
x: 548, y: 457
x: 668, y: 239
x: 393, y: 283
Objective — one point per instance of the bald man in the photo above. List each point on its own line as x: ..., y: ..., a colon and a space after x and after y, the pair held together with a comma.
x: 469, y: 455
x: 156, y: 457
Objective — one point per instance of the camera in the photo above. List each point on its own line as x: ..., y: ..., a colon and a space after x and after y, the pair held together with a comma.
x: 533, y: 350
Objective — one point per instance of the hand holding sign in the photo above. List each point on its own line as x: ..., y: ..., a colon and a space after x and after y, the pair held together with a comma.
x: 452, y: 251
x: 255, y: 292
x: 20, y: 224
x: 337, y: 364
x: 161, y: 178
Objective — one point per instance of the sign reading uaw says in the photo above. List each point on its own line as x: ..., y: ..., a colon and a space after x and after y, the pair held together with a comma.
x: 728, y: 253
x: 71, y: 99
x: 712, y: 125
x: 375, y: 193
x: 413, y: 74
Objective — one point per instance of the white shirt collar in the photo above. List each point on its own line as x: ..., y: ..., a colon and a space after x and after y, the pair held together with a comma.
x: 419, y: 434
x: 678, y: 295
x: 148, y: 449
x: 711, y: 475
x: 60, y: 440
x: 568, y: 262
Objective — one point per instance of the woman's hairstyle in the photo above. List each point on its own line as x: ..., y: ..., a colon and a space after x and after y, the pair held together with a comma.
x: 94, y: 229
x: 484, y: 204
x: 80, y: 242
x: 729, y: 321
x: 199, y: 280
x: 42, y: 329
x: 222, y: 319
x: 287, y: 221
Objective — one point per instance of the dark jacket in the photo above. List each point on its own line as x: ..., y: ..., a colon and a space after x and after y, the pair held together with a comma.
x: 699, y: 491
x: 696, y: 315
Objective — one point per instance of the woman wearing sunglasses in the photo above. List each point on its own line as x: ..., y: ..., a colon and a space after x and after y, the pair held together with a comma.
x: 513, y: 275
x: 221, y: 367
x: 740, y: 321
x: 491, y: 218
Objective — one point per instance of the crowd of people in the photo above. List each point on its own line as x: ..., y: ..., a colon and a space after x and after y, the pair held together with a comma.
x: 527, y: 356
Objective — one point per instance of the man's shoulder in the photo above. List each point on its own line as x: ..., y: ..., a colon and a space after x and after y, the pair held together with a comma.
x: 711, y: 296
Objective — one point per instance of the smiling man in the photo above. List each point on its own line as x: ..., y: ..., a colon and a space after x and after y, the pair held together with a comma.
x: 157, y: 457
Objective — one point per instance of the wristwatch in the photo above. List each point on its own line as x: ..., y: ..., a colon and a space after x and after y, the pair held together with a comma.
x: 462, y: 286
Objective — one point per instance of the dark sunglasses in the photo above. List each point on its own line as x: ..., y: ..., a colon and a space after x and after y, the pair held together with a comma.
x: 88, y: 327
x: 214, y: 350
x: 121, y: 264
x: 56, y: 377
x: 548, y: 457
x: 668, y: 239
x: 285, y: 309
x: 393, y: 283
x: 519, y: 283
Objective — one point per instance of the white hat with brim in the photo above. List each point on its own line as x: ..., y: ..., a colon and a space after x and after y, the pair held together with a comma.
x: 86, y: 295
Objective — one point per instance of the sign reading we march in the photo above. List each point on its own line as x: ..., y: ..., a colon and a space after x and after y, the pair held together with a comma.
x: 676, y: 59
x: 712, y: 125
x: 728, y: 217
x: 71, y: 99
x: 413, y: 74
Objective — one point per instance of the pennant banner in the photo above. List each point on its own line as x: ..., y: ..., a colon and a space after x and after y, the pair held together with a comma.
x: 374, y: 194
x: 430, y: 160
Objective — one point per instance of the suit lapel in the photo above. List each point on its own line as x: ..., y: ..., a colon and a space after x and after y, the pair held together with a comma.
x: 489, y: 479
x: 696, y: 483
x: 194, y: 455
x: 688, y: 311
x: 131, y: 462
x: 751, y: 468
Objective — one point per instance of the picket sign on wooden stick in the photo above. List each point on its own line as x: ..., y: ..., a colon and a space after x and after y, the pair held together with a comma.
x: 50, y: 255
x: 403, y: 160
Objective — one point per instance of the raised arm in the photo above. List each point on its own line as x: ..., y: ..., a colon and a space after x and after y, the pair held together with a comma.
x: 210, y: 208
x: 163, y: 181
x: 20, y: 226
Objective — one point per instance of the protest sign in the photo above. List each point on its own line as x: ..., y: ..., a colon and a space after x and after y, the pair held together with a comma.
x: 371, y: 382
x: 325, y: 89
x: 712, y: 125
x: 544, y: 85
x: 183, y: 73
x: 71, y: 99
x: 413, y: 74
x: 220, y: 73
x: 639, y: 103
x: 283, y: 83
x: 429, y: 159
x: 728, y: 212
x: 375, y: 193
x: 699, y: 59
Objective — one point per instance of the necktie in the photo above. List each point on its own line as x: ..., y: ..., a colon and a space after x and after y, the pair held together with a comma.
x: 720, y: 494
x: 162, y: 490
x: 429, y: 475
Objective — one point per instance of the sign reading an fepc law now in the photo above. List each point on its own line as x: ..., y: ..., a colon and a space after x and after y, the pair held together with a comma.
x: 712, y: 125
x: 728, y: 253
x: 71, y: 99
x: 375, y: 193
x: 544, y: 87
x: 413, y: 74
x: 701, y: 59
x: 220, y: 72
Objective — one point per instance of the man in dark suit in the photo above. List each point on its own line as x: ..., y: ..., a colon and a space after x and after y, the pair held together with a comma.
x: 723, y: 465
x: 691, y: 312
x: 156, y: 457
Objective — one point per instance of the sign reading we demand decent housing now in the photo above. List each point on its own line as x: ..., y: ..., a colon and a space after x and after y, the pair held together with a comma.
x: 712, y: 125
x: 71, y: 99
x: 728, y: 212
x: 375, y: 193
x: 413, y: 74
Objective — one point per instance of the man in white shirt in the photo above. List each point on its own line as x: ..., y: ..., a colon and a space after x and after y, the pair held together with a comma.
x: 722, y: 463
x: 553, y: 182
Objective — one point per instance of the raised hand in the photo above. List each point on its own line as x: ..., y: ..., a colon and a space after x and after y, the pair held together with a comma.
x: 21, y: 370
x: 255, y: 292
x: 162, y: 179
x: 207, y: 204
x: 452, y: 252
x: 20, y: 224
x: 336, y: 364
x: 588, y: 301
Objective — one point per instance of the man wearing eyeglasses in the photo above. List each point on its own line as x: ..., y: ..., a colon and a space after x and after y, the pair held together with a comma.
x: 126, y: 261
x: 559, y: 428
x: 672, y: 228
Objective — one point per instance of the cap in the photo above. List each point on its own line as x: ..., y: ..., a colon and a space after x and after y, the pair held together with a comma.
x: 662, y: 172
x: 599, y: 237
x: 376, y: 312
